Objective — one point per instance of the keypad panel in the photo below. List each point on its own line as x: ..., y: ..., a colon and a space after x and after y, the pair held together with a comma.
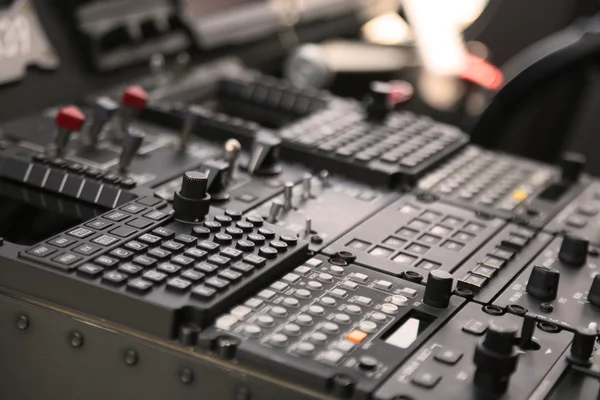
x: 413, y: 235
x: 443, y: 367
x: 170, y: 265
x: 322, y: 319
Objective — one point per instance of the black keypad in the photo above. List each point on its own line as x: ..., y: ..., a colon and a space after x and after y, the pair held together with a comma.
x: 80, y: 233
x: 243, y: 267
x: 266, y: 232
x: 234, y: 232
x: 206, y: 268
x: 172, y: 246
x: 208, y: 246
x: 230, y: 275
x: 224, y: 220
x: 255, y: 260
x: 66, y: 259
x: 213, y: 226
x: 182, y: 260
x: 185, y: 239
x: 195, y: 253
x: 203, y: 292
x: 149, y: 201
x: 217, y: 283
x: 279, y: 245
x: 192, y: 275
x: 223, y: 238
x: 234, y: 214
x: 245, y: 226
x: 257, y: 239
x: 268, y: 252
x: 201, y: 232
x: 155, y: 276
x: 245, y: 245
x: 156, y: 215
x: 219, y: 260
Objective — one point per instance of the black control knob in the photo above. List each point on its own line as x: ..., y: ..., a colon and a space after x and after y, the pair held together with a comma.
x: 594, y: 292
x: 572, y: 165
x: 438, y: 290
x: 496, y: 357
x: 582, y: 347
x: 264, y: 159
x: 217, y: 174
x: 573, y: 251
x: 192, y: 202
x: 543, y: 283
x: 378, y: 102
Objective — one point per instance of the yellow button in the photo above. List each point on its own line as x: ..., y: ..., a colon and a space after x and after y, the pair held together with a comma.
x: 520, y: 195
x: 356, y: 336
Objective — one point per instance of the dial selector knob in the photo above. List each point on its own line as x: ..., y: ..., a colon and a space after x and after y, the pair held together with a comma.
x: 573, y: 251
x: 496, y: 357
x: 438, y: 290
x: 543, y: 283
x: 264, y: 158
x: 192, y: 202
x: 594, y: 292
x: 582, y: 347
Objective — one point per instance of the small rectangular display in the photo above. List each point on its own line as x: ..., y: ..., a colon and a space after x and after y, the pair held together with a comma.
x: 408, y: 329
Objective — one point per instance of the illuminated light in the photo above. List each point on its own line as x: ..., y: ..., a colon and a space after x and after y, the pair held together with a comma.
x: 483, y: 73
x: 520, y: 195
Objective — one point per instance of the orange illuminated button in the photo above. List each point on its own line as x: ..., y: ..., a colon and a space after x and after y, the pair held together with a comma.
x: 356, y: 336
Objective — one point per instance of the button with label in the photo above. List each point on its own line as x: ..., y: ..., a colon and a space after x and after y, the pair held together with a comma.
x: 356, y: 336
x: 123, y: 232
x: 475, y: 327
x: 86, y: 249
x: 426, y: 379
x: 41, y: 251
x: 121, y: 253
x: 89, y: 270
x: 139, y: 223
x: 448, y: 356
x: 80, y: 233
x: 114, y: 278
x: 156, y: 215
x: 150, y: 239
x: 155, y: 276
x: 144, y: 260
x: 203, y: 292
x: 178, y: 284
x: 66, y: 259
x: 139, y: 285
x: 117, y: 216
x: 135, y: 246
x: 130, y: 269
x: 99, y: 224
x: 61, y: 242
x: 133, y: 208
x: 105, y: 240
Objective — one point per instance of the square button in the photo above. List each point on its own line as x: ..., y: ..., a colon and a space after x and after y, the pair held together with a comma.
x: 178, y: 284
x: 394, y: 242
x: 150, y: 239
x: 217, y: 283
x: 123, y: 232
x: 576, y: 222
x: 61, y: 242
x: 232, y: 253
x: 89, y: 270
x: 130, y: 269
x: 484, y: 271
x: 41, y: 251
x: 139, y: 285
x: 86, y: 249
x: 117, y: 216
x: 418, y: 248
x: 106, y: 261
x: 440, y: 230
x: 208, y: 245
x: 408, y: 209
x: 133, y: 208
x: 99, y: 224
x: 195, y: 253
x: 135, y: 246
x: 379, y: 251
x: 358, y: 245
x: 172, y: 246
x: 139, y: 223
x: 494, y: 262
x: 428, y: 265
x: 430, y: 216
x: 145, y: 261
x: 219, y: 260
x: 429, y: 239
x: 114, y: 278
x: 192, y: 275
x: 66, y: 259
x: 168, y: 268
x: 164, y: 232
x: 183, y: 260
x: 255, y: 260
x: 475, y: 327
x: 463, y: 236
x: 242, y: 267
x: 105, y: 240
x: 474, y: 228
x: 472, y: 282
x: 206, y: 268
x: 156, y: 215
x: 230, y: 275
x: 186, y: 239
x: 406, y: 232
x: 155, y: 276
x: 203, y: 292
x: 426, y: 379
x: 452, y: 245
x: 159, y: 253
x: 452, y: 222
x: 403, y: 258
x: 504, y: 254
x: 80, y: 233
x: 418, y: 224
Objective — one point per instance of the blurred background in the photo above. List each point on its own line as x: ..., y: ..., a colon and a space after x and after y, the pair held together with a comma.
x: 341, y: 45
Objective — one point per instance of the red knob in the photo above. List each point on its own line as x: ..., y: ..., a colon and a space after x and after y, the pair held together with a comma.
x: 70, y: 118
x: 135, y: 97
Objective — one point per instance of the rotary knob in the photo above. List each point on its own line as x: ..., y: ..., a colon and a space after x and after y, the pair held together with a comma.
x: 543, y: 283
x: 496, y: 357
x: 573, y: 251
x: 594, y: 292
x: 192, y: 202
x: 265, y: 155
x: 438, y: 290
x: 582, y: 347
x: 572, y: 165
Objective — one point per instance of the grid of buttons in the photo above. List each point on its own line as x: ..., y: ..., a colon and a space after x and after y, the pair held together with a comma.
x: 490, y: 179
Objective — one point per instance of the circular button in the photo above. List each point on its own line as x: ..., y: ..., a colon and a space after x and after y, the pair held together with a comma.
x: 352, y: 309
x: 265, y: 320
x: 304, y: 319
x: 342, y: 318
x: 224, y: 220
x: 318, y: 338
x: 367, y: 363
x: 289, y: 239
x: 303, y: 293
x: 336, y: 270
x: 389, y: 308
x: 252, y: 330
x: 291, y: 302
x: 305, y: 349
x: 328, y: 301
x: 245, y: 245
x: 256, y: 238
x: 279, y: 245
x: 279, y: 339
x: 279, y: 312
x: 214, y: 226
x: 234, y: 214
x: 255, y: 220
x: 399, y: 300
x: 268, y: 252
x: 316, y: 310
x: 267, y: 233
x: 292, y: 329
x: 201, y: 232
x: 325, y: 278
x: 245, y: 226
x: 314, y: 285
x: 234, y: 232
x: 223, y: 238
x: 378, y: 317
x: 330, y: 327
x: 368, y: 326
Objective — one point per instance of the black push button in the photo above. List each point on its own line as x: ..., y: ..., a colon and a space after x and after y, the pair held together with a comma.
x: 156, y: 215
x: 159, y: 253
x: 185, y: 239
x: 61, y: 242
x: 155, y: 276
x: 145, y: 261
x: 192, y: 275
x: 66, y: 259
x: 133, y: 208
x: 80, y: 233
x: 86, y: 249
x: 202, y: 292
x: 426, y: 379
x: 123, y: 232
x: 164, y: 233
x: 150, y: 239
x: 475, y: 327
x: 117, y: 216
x: 201, y: 232
x: 135, y: 246
x: 106, y: 261
x: 114, y: 278
x: 105, y: 240
x: 448, y: 356
x: 89, y: 270
x: 130, y: 269
x: 183, y: 260
x: 172, y: 246
x: 99, y: 224
x: 139, y: 285
x: 178, y: 285
x: 41, y: 251
x: 139, y: 223
x: 169, y: 268
x: 255, y: 260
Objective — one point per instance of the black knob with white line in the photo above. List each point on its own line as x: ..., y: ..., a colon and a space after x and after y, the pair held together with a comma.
x: 583, y: 345
x: 265, y: 155
x: 573, y: 251
x: 103, y: 111
x: 543, y: 283
x: 438, y: 289
x: 496, y: 357
x: 192, y: 202
x: 217, y: 175
x: 132, y: 141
